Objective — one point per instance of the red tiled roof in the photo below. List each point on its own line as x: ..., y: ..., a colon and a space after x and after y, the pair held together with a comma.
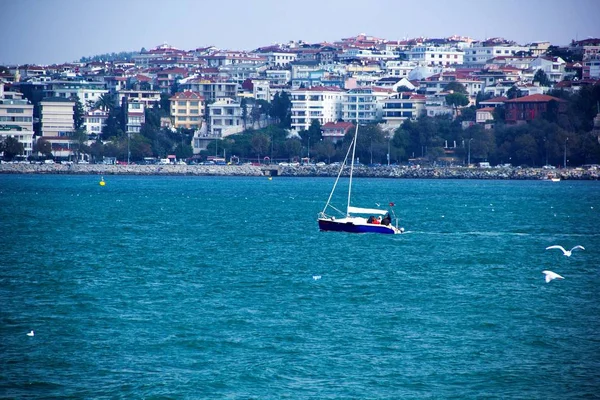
x: 143, y: 78
x: 338, y: 125
x: 486, y: 109
x: 534, y: 98
x: 500, y: 99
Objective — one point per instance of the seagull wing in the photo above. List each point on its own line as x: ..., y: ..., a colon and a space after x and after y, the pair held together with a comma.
x: 556, y: 246
x: 551, y: 275
x: 578, y: 247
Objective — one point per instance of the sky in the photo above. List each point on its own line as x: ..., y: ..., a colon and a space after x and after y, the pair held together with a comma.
x: 56, y: 31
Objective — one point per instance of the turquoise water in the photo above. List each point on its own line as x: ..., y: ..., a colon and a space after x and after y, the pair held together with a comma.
x: 201, y: 287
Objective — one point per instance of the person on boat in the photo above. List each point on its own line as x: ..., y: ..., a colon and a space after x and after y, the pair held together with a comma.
x: 386, y: 220
x: 377, y: 221
x: 371, y: 219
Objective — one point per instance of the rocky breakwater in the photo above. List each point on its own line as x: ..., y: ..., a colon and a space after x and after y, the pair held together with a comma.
x: 404, y: 172
x: 399, y: 172
x: 101, y: 169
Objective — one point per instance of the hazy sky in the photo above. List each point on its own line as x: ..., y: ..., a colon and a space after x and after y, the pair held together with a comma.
x: 56, y: 31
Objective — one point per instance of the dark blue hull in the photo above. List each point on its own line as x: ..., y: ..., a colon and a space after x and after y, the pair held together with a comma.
x: 335, y: 226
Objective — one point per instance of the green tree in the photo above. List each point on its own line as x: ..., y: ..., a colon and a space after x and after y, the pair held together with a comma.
x: 541, y: 77
x: 526, y: 149
x: 79, y: 139
x: 97, y: 151
x: 456, y: 100
x: 165, y: 104
x: 403, y: 88
x: 11, y: 147
x: 43, y: 147
x: 312, y: 135
x: 113, y: 128
x: 140, y: 147
x: 244, y: 106
x: 260, y: 144
x: 280, y: 109
x: 456, y: 87
x: 106, y: 102
x: 78, y: 113
x: 513, y: 92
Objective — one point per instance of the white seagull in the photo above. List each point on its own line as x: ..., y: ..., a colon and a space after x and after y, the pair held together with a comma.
x: 551, y: 275
x: 565, y: 252
x: 30, y: 333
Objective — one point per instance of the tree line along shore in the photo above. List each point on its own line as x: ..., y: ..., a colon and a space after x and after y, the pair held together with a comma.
x: 407, y: 172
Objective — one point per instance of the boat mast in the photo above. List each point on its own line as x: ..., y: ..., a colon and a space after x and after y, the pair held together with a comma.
x: 352, y: 167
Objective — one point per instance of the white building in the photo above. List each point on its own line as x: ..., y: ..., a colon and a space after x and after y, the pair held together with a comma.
x: 399, y: 69
x: 261, y: 90
x: 436, y: 105
x: 94, y: 121
x: 88, y: 92
x: 278, y: 77
x: 147, y: 97
x: 280, y: 58
x: 364, y: 104
x: 367, y: 54
x: 553, y: 67
x: 479, y: 54
x: 225, y: 118
x: 321, y: 103
x: 435, y: 55
x: 135, y: 117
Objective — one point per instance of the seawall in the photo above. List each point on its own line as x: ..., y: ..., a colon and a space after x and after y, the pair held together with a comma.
x: 399, y: 172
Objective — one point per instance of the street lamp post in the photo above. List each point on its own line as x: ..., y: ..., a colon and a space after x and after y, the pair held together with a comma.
x: 565, y: 154
x: 469, y: 154
x: 388, y: 154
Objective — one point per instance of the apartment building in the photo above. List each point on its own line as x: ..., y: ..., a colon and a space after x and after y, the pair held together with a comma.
x: 94, y: 121
x: 402, y: 106
x: 321, y: 103
x: 225, y: 118
x: 480, y: 53
x: 435, y: 55
x: 16, y: 119
x: 591, y: 62
x: 211, y: 90
x: 187, y: 110
x: 364, y: 104
x: 135, y: 117
x: 57, y: 124
x: 147, y: 97
x: 88, y: 92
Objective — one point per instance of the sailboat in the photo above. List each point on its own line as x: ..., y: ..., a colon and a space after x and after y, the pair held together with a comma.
x: 354, y: 220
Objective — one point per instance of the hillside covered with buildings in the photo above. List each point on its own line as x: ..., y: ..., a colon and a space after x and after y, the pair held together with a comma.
x: 446, y: 101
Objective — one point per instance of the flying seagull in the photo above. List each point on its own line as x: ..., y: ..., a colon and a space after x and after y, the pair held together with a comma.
x: 551, y: 275
x: 565, y: 252
x: 30, y: 333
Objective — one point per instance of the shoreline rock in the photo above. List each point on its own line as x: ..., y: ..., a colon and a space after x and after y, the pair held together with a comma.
x: 394, y: 172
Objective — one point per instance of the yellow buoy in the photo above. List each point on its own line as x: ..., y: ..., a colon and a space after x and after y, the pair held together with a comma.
x: 102, y: 183
x: 270, y: 178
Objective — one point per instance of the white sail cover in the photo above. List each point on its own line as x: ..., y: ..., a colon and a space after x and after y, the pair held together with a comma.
x: 358, y: 210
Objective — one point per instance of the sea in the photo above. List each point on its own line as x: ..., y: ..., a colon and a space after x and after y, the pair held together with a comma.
x: 172, y: 287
